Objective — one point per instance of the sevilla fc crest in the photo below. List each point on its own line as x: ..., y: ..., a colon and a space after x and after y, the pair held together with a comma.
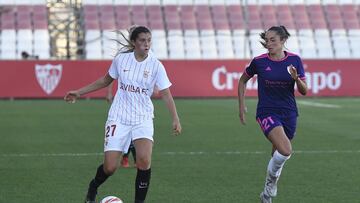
x: 48, y: 76
x: 146, y: 73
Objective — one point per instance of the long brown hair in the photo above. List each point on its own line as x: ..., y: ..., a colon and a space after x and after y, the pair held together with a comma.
x: 279, y: 30
x: 134, y: 32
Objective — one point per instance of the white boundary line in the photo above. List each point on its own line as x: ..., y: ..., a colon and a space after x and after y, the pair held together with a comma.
x: 316, y: 104
x: 262, y: 152
x: 52, y: 155
x: 184, y: 153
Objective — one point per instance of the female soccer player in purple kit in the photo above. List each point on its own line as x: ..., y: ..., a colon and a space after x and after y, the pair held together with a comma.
x: 277, y: 73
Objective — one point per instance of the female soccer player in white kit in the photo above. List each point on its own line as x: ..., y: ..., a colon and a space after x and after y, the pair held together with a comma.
x: 131, y: 113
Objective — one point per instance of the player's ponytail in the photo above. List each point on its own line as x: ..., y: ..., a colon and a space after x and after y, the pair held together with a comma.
x: 286, y: 33
x: 133, y: 33
x: 279, y: 30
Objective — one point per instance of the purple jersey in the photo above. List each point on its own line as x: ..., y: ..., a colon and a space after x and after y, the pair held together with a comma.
x: 275, y: 85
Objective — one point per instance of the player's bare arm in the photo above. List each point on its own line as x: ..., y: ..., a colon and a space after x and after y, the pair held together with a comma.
x: 102, y: 82
x: 241, y: 97
x: 109, y: 95
x: 167, y: 97
x: 302, y: 87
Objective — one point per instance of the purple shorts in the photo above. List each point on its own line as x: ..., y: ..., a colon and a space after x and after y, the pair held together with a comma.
x: 271, y: 119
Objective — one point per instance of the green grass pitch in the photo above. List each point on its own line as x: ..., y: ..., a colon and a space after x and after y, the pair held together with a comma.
x: 49, y: 151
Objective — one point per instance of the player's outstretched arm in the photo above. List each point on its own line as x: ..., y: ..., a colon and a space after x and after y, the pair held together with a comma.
x: 102, y: 82
x: 167, y: 97
x: 241, y: 97
x: 301, y: 85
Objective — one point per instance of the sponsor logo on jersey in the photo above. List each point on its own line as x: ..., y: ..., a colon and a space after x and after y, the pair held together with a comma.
x: 134, y: 89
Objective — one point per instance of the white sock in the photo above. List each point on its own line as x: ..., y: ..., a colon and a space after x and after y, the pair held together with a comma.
x: 276, y: 163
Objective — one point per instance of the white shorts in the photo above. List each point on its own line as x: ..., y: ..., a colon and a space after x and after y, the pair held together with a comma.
x: 119, y: 136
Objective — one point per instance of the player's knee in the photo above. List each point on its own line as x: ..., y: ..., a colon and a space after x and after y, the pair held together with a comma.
x: 143, y: 163
x: 286, y: 151
x: 110, y: 169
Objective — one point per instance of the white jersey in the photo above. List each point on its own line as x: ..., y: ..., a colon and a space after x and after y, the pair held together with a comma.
x: 136, y: 81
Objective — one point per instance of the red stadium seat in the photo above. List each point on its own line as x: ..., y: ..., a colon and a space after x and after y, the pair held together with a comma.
x: 237, y: 25
x: 108, y: 25
x: 109, y: 9
x: 187, y: 9
x: 319, y: 24
x: 234, y: 9
x: 205, y: 25
x: 39, y: 9
x: 122, y: 17
x: 219, y: 13
x: 107, y: 17
x: 289, y: 24
x: 316, y: 12
x: 173, y: 25
x: 308, y: 19
x: 139, y: 16
x: 92, y: 25
x: 156, y: 25
x: 122, y: 9
x: 352, y: 25
x: 220, y: 19
x: 219, y: 10
x: 24, y: 9
x: 123, y: 24
x: 336, y: 24
x: 8, y: 19
x: 25, y: 23
x: 187, y: 16
x: 171, y: 16
x: 203, y: 17
x: 299, y: 10
x: 170, y: 9
x: 302, y: 25
x: 202, y: 12
x: 236, y: 18
x: 255, y: 25
x: 189, y: 24
x: 221, y: 25
x: 90, y: 9
x: 283, y: 8
x: 253, y: 17
x: 40, y: 25
x: 154, y: 13
x: 283, y: 13
x: 91, y: 17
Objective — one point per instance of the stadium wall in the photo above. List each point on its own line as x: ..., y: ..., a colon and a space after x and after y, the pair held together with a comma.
x: 193, y: 78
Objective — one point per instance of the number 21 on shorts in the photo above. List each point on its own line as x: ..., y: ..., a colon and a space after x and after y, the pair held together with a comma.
x: 265, y: 122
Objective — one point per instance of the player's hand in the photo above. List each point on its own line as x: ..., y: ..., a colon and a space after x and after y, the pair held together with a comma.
x: 293, y: 72
x: 71, y: 96
x: 176, y: 127
x: 243, y: 111
x: 109, y: 98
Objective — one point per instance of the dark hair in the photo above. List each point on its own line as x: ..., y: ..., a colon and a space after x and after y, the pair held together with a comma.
x: 134, y: 32
x: 25, y: 55
x: 279, y: 30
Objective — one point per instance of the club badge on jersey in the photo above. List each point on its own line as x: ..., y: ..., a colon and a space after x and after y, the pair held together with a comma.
x: 146, y: 73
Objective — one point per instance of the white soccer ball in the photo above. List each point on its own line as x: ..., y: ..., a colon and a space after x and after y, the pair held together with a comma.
x: 111, y: 199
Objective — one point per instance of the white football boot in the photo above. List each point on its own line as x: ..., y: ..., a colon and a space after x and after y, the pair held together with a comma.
x: 264, y: 198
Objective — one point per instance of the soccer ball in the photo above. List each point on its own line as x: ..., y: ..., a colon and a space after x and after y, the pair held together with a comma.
x: 111, y: 199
